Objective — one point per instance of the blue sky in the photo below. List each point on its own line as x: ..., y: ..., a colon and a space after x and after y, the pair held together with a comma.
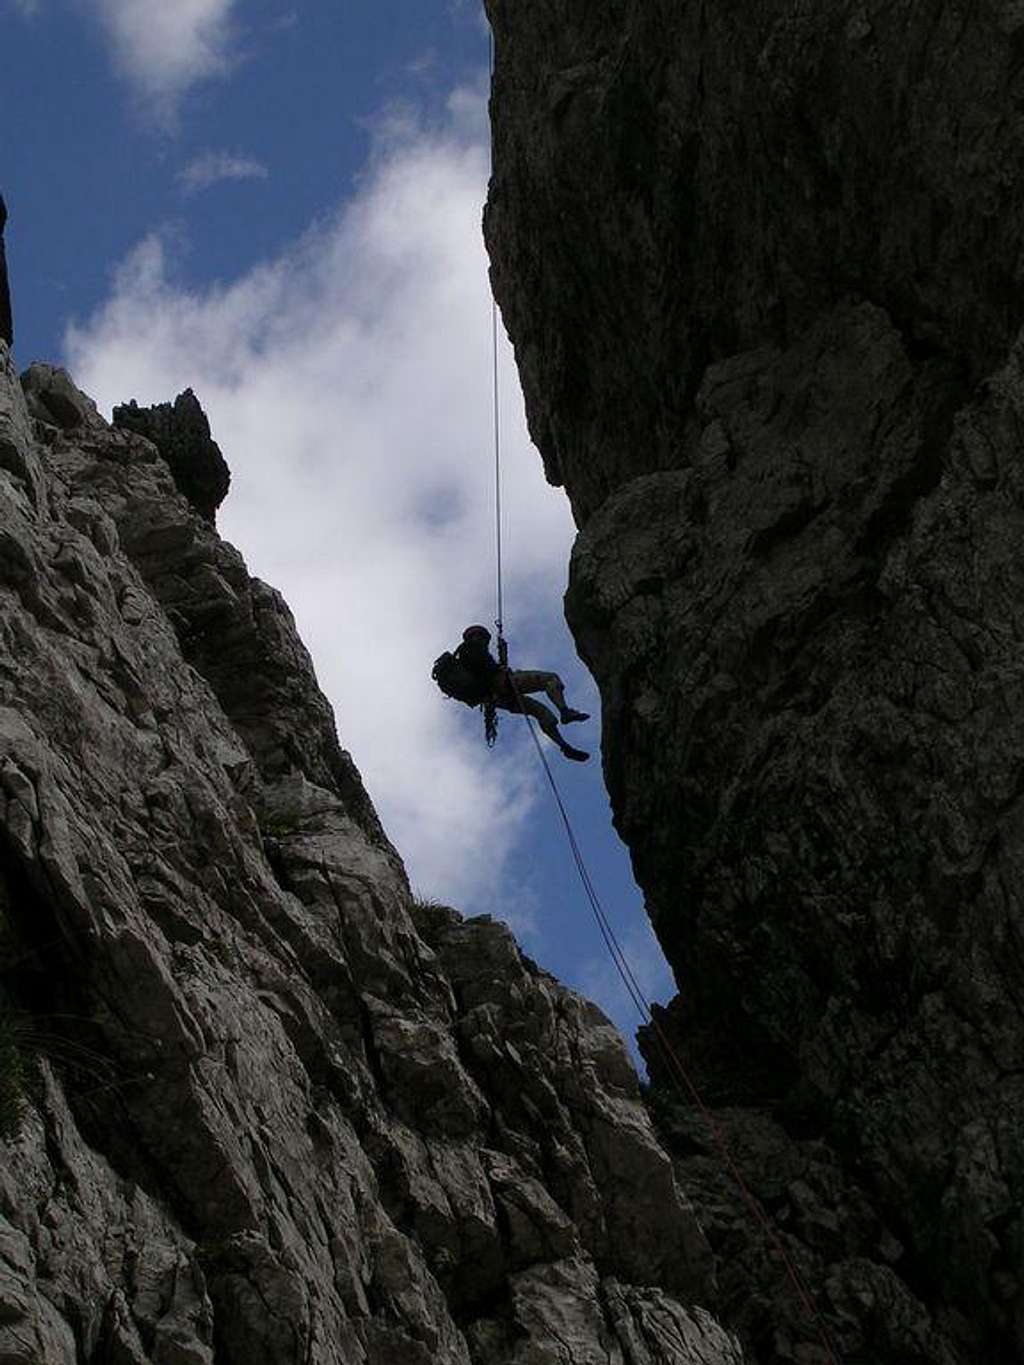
x: 279, y: 206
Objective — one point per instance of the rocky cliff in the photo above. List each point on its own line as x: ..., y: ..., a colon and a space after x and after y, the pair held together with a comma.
x: 761, y: 264
x: 258, y: 1104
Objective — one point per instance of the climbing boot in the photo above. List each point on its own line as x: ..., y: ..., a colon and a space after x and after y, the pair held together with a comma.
x: 577, y: 755
x: 569, y: 715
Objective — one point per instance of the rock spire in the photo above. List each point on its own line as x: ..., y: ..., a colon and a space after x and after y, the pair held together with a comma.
x: 181, y: 433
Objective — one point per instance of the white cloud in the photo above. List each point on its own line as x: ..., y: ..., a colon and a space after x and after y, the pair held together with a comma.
x: 348, y: 383
x: 27, y: 7
x: 212, y: 167
x: 165, y: 46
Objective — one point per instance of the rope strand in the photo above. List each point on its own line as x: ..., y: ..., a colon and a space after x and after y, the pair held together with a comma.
x: 683, y: 1083
x: 499, y: 620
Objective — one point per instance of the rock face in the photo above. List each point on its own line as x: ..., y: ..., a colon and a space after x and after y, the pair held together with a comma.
x: 277, y: 1111
x: 181, y: 433
x: 761, y: 266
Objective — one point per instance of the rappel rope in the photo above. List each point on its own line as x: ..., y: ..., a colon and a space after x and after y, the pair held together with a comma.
x: 489, y: 708
x: 499, y: 621
x: 684, y: 1085
x: 499, y: 618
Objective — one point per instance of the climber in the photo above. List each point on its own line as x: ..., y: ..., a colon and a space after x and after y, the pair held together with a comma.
x: 507, y: 688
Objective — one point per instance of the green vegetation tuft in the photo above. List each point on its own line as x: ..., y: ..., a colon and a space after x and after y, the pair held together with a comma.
x: 425, y: 905
x: 431, y: 917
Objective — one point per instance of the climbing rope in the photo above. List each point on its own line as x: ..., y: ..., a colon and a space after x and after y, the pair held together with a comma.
x: 499, y: 618
x: 681, y: 1080
x: 496, y: 403
x: 490, y: 711
x: 684, y: 1085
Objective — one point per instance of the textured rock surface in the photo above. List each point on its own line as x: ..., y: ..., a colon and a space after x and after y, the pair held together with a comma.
x: 181, y: 433
x: 52, y: 397
x: 281, y: 1113
x: 761, y: 266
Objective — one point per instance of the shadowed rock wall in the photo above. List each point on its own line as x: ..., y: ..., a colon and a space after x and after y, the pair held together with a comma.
x: 761, y: 264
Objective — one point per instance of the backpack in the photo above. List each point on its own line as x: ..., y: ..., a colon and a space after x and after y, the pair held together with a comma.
x: 456, y: 681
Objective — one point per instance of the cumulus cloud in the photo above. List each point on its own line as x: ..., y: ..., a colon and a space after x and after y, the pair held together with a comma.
x: 348, y: 383
x: 165, y: 46
x: 212, y: 167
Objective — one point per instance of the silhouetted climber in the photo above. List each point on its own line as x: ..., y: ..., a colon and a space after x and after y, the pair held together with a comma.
x: 6, y: 321
x: 473, y: 675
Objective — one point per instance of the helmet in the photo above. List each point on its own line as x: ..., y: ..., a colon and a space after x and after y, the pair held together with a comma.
x: 470, y: 631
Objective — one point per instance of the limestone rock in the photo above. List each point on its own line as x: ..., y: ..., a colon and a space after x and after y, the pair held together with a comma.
x: 52, y: 397
x: 563, y: 1317
x: 94, y: 1241
x: 17, y: 453
x: 280, y: 1113
x: 182, y: 435
x: 761, y: 268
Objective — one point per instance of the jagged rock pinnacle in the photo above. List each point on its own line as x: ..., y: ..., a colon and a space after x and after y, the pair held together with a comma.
x: 181, y: 433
